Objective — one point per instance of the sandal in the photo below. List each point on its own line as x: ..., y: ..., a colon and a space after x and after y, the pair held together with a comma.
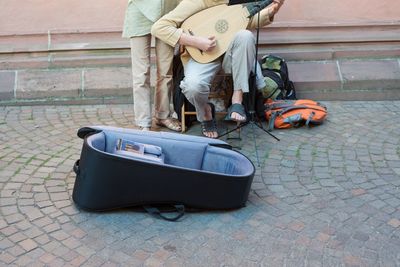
x: 142, y: 128
x: 170, y: 123
x: 210, y: 125
x: 237, y: 108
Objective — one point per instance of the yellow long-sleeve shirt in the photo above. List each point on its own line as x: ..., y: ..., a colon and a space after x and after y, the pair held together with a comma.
x: 167, y: 28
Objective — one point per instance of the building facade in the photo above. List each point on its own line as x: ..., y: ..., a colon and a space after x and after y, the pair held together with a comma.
x: 72, y: 51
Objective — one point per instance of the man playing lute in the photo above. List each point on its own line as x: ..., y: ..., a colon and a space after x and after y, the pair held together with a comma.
x: 238, y: 59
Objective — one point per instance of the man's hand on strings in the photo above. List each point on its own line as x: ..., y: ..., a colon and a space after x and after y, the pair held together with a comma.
x: 206, y: 44
x: 202, y: 43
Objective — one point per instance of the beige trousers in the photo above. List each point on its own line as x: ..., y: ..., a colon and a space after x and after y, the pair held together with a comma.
x: 140, y: 55
x: 238, y: 61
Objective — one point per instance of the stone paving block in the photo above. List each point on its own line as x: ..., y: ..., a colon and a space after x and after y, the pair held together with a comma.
x: 47, y: 258
x: 28, y: 244
x: 7, y: 85
x: 16, y: 251
x: 7, y: 258
x: 394, y: 223
x: 311, y: 212
x: 48, y: 83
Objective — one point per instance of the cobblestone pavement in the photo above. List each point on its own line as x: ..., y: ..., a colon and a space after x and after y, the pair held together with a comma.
x: 326, y: 196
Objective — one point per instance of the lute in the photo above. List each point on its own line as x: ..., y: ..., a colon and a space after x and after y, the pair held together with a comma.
x: 221, y: 21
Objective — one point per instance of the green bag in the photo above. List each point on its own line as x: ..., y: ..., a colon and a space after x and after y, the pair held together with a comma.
x: 276, y: 77
x: 273, y: 86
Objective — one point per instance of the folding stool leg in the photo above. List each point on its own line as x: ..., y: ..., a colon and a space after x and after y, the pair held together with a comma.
x: 183, y: 121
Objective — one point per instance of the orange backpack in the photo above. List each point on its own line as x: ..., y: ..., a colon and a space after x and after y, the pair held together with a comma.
x: 282, y: 114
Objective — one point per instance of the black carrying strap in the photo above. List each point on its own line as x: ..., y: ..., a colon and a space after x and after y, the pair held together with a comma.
x: 310, y: 118
x: 179, y: 208
x: 76, y: 167
x: 226, y: 146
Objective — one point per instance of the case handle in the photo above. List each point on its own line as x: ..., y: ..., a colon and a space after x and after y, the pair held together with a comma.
x: 84, y: 131
x: 180, y: 209
x: 76, y: 167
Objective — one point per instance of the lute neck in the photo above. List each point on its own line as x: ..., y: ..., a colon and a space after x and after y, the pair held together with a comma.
x: 256, y: 7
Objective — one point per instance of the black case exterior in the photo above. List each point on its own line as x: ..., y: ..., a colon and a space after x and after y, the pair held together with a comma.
x: 105, y: 181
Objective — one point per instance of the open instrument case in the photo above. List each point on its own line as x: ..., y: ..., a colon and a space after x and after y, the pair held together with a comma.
x: 172, y: 169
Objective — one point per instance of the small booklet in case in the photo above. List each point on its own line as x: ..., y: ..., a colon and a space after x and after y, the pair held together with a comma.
x: 130, y: 146
x: 137, y: 150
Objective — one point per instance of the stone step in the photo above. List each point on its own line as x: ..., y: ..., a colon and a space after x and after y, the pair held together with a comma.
x: 367, y: 79
x: 344, y: 79
x: 83, y: 49
x: 349, y: 62
x: 121, y: 57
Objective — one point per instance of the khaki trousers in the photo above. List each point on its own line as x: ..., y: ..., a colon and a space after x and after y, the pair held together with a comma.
x: 140, y: 55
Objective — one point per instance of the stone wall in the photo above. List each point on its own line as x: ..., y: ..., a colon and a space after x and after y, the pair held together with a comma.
x: 72, y: 51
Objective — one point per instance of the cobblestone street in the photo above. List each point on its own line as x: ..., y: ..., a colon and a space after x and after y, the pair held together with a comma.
x: 325, y: 196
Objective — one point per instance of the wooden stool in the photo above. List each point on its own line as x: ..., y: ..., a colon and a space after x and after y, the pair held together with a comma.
x: 221, y: 87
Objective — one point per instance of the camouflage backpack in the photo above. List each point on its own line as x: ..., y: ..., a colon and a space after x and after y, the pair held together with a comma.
x: 276, y: 76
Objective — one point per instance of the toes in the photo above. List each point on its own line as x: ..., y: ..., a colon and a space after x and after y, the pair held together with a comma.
x: 236, y: 116
x: 211, y: 134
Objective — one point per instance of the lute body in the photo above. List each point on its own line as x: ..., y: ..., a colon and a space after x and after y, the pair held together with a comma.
x: 221, y: 21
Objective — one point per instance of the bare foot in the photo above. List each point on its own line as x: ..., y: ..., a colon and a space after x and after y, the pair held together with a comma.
x: 209, y: 128
x: 237, y: 98
x: 237, y: 117
x: 170, y: 123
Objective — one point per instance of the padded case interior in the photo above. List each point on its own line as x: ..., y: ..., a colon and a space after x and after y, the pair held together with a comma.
x: 188, y: 154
